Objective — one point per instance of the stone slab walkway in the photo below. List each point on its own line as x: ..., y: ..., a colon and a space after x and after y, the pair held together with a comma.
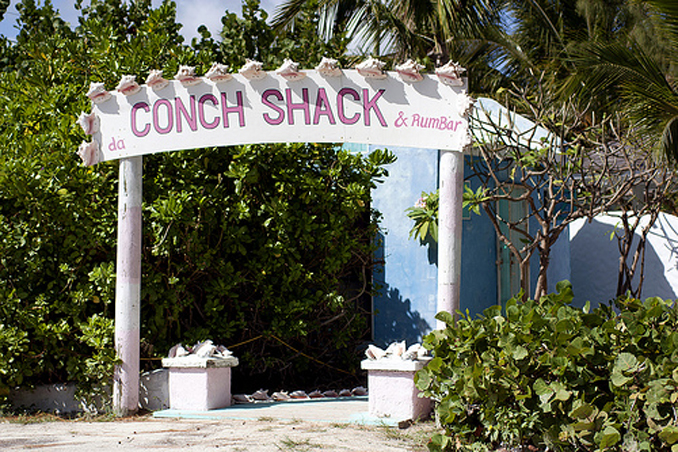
x: 353, y: 410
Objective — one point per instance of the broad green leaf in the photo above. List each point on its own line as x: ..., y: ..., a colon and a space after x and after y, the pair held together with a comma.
x: 609, y: 437
x: 626, y: 362
x: 669, y: 434
x: 519, y: 353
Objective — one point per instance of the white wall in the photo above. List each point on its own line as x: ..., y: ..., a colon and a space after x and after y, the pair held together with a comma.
x: 595, y: 259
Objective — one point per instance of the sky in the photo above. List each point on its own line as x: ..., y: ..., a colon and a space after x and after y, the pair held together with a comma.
x: 190, y: 13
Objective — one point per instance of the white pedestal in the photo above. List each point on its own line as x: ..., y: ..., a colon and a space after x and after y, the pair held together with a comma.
x: 199, y: 384
x: 392, y: 392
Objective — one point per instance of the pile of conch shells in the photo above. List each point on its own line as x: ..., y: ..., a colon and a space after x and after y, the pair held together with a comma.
x: 283, y: 396
x: 204, y: 349
x: 397, y: 350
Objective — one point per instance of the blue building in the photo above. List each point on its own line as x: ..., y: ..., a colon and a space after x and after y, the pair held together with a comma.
x: 404, y: 306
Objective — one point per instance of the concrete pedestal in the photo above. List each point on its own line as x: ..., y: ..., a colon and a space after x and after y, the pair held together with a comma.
x: 199, y: 384
x: 392, y: 392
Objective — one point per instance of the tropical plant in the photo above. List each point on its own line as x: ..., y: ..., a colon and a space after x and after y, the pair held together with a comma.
x: 641, y: 69
x: 420, y: 30
x: 545, y: 374
x: 425, y: 216
x: 267, y: 244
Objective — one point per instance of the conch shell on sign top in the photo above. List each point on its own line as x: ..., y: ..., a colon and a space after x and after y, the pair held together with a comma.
x: 89, y: 123
x: 89, y: 153
x: 290, y: 71
x: 155, y: 80
x: 328, y: 67
x: 450, y: 74
x: 186, y: 75
x: 128, y: 85
x: 252, y: 70
x: 465, y: 102
x: 97, y: 93
x: 218, y: 73
x: 410, y: 71
x: 372, y: 68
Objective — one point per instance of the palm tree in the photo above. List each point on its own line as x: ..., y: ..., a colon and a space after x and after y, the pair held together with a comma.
x: 402, y: 28
x: 641, y: 70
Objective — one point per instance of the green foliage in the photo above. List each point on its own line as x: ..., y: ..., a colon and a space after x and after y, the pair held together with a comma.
x: 270, y: 241
x: 259, y: 240
x: 547, y: 374
x: 425, y: 217
x: 425, y: 212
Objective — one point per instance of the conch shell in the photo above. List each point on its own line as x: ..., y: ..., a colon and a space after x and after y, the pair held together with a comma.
x: 178, y: 351
x: 89, y: 153
x: 315, y: 394
x: 128, y: 85
x: 465, y: 103
x: 374, y: 353
x: 280, y: 396
x: 252, y: 70
x: 218, y: 73
x: 242, y: 398
x: 372, y: 68
x: 89, y: 123
x: 328, y: 67
x: 298, y: 395
x: 450, y: 74
x: 410, y: 71
x: 155, y: 80
x: 290, y: 71
x: 396, y: 349
x: 97, y: 93
x: 186, y: 75
x: 359, y: 391
x: 261, y: 395
x: 204, y: 349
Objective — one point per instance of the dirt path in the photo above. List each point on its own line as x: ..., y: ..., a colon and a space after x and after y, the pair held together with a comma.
x: 264, y: 434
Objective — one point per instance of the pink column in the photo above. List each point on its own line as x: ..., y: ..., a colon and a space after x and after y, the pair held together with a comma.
x: 128, y: 287
x: 451, y: 189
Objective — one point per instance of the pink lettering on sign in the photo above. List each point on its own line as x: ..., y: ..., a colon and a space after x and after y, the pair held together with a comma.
x: 303, y: 106
x: 164, y: 118
x: 426, y: 122
x: 323, y: 108
x: 191, y: 118
x: 201, y: 111
x: 285, y: 106
x: 156, y: 116
x: 265, y: 100
x: 239, y: 109
x: 147, y: 128
x: 369, y: 105
x: 340, y: 105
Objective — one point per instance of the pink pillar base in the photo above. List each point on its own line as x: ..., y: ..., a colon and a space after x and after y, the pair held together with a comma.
x: 392, y: 392
x: 202, y: 387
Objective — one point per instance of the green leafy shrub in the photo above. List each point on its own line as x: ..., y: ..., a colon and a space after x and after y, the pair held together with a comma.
x: 268, y: 244
x: 546, y: 374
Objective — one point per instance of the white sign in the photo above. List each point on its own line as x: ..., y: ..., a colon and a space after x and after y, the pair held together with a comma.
x: 347, y: 108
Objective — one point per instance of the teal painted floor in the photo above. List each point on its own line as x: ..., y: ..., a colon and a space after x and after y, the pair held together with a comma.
x: 353, y: 410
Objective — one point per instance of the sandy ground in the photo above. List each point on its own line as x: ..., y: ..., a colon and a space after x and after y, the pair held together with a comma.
x: 263, y: 434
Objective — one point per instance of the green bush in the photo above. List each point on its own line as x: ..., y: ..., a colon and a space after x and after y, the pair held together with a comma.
x: 268, y: 244
x: 546, y: 374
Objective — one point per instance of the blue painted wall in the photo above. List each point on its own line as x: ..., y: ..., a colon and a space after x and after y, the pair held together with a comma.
x: 405, y: 305
x: 478, y: 261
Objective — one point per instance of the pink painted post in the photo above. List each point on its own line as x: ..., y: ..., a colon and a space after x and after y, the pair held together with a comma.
x: 128, y: 287
x: 449, y: 231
